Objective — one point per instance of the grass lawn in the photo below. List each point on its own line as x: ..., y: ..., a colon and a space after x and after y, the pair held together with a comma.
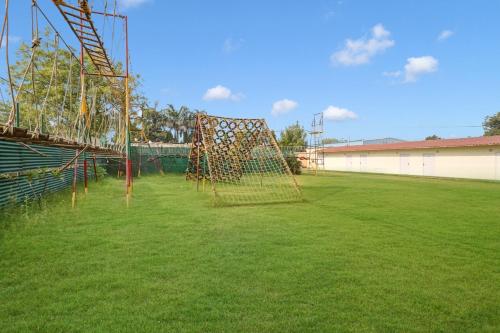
x: 364, y: 253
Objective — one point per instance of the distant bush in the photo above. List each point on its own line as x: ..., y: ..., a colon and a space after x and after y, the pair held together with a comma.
x: 294, y: 165
x: 101, y: 172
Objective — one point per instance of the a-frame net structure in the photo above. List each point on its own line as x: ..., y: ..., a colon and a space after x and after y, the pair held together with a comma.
x: 241, y: 160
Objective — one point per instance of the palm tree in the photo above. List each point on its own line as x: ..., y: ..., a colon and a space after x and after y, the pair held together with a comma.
x: 172, y: 120
x: 190, y: 123
x: 186, y: 124
x: 180, y: 122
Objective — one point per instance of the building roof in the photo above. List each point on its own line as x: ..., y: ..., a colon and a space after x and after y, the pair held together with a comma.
x: 427, y: 144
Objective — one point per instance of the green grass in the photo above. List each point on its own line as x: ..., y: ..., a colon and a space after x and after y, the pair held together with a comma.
x: 363, y: 253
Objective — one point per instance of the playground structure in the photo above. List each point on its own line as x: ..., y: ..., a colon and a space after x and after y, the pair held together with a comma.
x: 80, y: 111
x: 82, y: 106
x: 315, y: 151
x: 241, y: 160
x: 310, y: 156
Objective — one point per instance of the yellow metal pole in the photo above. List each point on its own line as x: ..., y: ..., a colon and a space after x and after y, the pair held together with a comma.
x: 127, y: 143
x: 128, y: 165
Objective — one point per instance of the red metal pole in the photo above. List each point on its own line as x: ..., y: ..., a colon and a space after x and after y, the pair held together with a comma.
x: 75, y: 178
x: 85, y: 179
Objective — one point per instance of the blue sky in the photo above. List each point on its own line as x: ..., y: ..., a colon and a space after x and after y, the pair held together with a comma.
x: 395, y: 77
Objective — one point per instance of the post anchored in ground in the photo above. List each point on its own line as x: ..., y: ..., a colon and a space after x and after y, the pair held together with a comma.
x: 95, y: 168
x: 75, y: 178
x: 85, y: 176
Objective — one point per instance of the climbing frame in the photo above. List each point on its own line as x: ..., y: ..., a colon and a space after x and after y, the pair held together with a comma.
x: 241, y: 160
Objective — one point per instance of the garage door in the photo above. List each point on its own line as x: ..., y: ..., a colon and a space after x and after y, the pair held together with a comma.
x: 363, y: 163
x: 404, y: 164
x: 348, y: 162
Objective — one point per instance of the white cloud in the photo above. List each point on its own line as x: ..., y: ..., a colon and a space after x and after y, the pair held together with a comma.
x: 416, y: 66
x: 221, y: 93
x: 360, y: 51
x: 335, y: 113
x: 125, y: 4
x: 283, y: 106
x: 445, y: 34
x: 231, y: 44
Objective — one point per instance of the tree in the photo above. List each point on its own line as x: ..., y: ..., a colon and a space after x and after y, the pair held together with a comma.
x: 294, y: 164
x: 169, y: 125
x: 433, y: 137
x: 50, y: 93
x: 153, y: 123
x: 329, y: 141
x: 293, y: 135
x: 491, y: 125
x: 46, y: 80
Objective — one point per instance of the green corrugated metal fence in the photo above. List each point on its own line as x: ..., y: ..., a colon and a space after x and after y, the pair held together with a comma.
x: 15, y: 158
x: 32, y: 181
x: 174, y: 159
x: 155, y: 159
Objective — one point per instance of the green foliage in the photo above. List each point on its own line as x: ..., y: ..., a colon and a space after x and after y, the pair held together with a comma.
x: 169, y: 124
x: 36, y: 174
x: 491, y: 125
x: 293, y: 135
x: 329, y: 141
x: 57, y: 173
x: 294, y: 164
x: 101, y: 172
x: 356, y: 256
x: 433, y: 137
x: 49, y: 100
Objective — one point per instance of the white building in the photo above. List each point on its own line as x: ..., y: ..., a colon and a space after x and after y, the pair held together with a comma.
x: 476, y: 158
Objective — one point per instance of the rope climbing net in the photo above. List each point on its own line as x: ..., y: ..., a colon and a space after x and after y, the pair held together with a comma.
x: 241, y: 160
x: 67, y: 95
x: 53, y: 96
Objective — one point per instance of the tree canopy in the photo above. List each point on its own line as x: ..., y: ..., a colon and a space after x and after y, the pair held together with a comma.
x: 329, y: 141
x: 293, y: 135
x: 47, y: 84
x: 169, y: 124
x: 491, y: 125
x: 48, y: 91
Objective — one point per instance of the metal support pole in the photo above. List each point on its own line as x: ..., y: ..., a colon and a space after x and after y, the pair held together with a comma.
x: 140, y: 163
x: 85, y: 175
x: 131, y: 171
x: 198, y: 153
x: 95, y: 168
x: 18, y: 119
x: 128, y: 164
x: 75, y: 178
